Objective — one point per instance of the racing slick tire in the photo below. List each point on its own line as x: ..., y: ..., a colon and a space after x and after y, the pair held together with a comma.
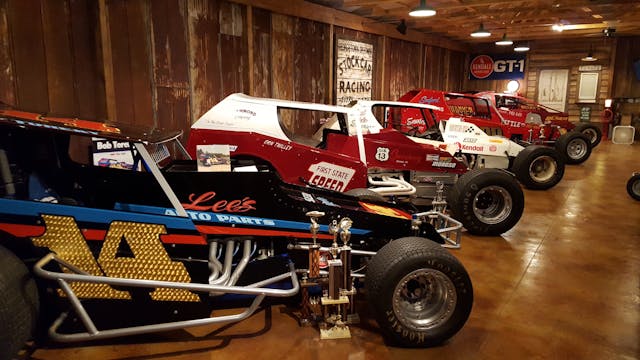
x: 421, y: 295
x: 633, y: 186
x: 19, y: 305
x: 538, y: 167
x: 574, y: 146
x: 366, y: 195
x: 486, y: 201
x: 593, y: 132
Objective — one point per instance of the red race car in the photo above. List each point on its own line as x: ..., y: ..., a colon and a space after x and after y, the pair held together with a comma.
x: 574, y: 146
x: 520, y: 111
x: 346, y: 149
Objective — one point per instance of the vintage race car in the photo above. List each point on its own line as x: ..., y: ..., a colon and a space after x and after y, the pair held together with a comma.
x: 536, y: 167
x: 521, y: 111
x: 573, y: 145
x: 90, y: 252
x: 345, y: 149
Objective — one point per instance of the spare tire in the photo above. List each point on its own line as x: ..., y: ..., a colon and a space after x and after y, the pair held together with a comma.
x: 574, y: 146
x: 538, y: 167
x: 421, y: 295
x: 486, y: 201
x: 592, y: 131
x: 19, y: 304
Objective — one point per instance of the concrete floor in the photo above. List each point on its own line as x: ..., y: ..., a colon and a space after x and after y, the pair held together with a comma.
x: 563, y: 284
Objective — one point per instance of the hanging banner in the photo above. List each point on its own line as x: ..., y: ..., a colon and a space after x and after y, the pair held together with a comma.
x: 497, y: 67
x: 354, y: 71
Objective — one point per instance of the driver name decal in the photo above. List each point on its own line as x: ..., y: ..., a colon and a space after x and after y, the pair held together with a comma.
x: 330, y: 176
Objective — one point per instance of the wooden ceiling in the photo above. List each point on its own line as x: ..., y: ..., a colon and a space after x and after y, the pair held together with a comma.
x: 520, y: 20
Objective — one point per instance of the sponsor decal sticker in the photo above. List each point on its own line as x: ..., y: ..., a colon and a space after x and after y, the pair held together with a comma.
x: 493, y: 148
x: 330, y: 176
x: 444, y: 162
x: 307, y: 197
x: 382, y: 154
x: 433, y: 157
x: 465, y: 147
x: 470, y: 140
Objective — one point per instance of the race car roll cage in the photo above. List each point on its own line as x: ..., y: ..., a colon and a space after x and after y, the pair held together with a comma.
x: 222, y: 279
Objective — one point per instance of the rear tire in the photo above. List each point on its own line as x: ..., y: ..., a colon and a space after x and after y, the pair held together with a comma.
x: 420, y: 294
x: 19, y: 304
x: 633, y: 186
x: 574, y: 147
x: 591, y: 131
x: 486, y: 201
x: 538, y: 167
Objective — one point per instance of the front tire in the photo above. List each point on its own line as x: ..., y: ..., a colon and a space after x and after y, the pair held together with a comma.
x: 538, y: 167
x: 591, y: 131
x: 574, y: 147
x: 19, y: 304
x: 486, y: 201
x: 633, y: 186
x: 420, y: 294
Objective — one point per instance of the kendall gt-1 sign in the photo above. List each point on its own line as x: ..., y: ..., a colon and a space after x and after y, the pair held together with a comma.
x: 497, y: 67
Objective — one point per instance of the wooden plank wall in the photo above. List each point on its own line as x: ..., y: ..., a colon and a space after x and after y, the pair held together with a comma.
x: 551, y: 54
x: 49, y: 57
x: 169, y: 61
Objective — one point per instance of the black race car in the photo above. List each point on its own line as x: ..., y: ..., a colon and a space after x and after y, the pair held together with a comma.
x: 90, y: 252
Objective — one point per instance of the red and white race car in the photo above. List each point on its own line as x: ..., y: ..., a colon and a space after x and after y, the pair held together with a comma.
x: 347, y: 150
x: 521, y: 111
x: 574, y: 146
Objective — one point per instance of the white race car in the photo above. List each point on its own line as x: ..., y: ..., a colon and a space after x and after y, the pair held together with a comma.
x: 536, y: 167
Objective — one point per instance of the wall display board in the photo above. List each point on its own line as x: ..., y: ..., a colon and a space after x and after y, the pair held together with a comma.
x: 552, y: 88
x: 353, y: 70
x: 497, y: 67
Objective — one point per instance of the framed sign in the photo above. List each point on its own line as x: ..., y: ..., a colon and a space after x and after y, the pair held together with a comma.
x: 552, y: 88
x: 588, y: 91
x: 353, y: 70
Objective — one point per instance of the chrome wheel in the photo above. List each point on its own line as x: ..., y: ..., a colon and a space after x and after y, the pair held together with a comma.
x: 591, y: 134
x: 424, y: 299
x: 577, y: 149
x: 542, y: 169
x: 492, y: 204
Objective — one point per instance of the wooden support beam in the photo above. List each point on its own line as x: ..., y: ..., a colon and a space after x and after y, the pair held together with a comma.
x: 107, y: 60
x: 306, y: 10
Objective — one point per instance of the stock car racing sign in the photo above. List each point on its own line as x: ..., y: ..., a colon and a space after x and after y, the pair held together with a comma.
x: 497, y: 67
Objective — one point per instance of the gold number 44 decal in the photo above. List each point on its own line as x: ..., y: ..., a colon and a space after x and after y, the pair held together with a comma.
x: 150, y: 260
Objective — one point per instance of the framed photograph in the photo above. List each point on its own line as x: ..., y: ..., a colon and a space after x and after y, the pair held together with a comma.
x: 354, y: 68
x: 213, y: 158
x: 552, y: 88
x: 588, y: 91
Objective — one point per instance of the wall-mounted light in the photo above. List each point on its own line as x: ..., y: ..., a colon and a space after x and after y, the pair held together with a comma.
x: 522, y: 48
x: 481, y: 32
x: 504, y: 41
x: 423, y: 10
x: 557, y: 27
x: 402, y: 27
